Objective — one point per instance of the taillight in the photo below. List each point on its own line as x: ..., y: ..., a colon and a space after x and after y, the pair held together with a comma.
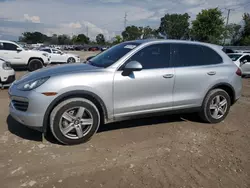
x: 238, y: 72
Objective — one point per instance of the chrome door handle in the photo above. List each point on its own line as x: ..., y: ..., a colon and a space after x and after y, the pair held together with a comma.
x: 168, y: 76
x: 211, y: 73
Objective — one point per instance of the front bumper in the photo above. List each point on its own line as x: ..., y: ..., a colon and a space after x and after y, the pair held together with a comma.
x: 7, y: 76
x: 47, y: 60
x: 28, y: 107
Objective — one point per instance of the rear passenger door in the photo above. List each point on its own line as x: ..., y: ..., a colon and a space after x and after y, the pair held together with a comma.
x: 196, y: 67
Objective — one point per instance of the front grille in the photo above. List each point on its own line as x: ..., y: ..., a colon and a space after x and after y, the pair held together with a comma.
x: 20, y: 105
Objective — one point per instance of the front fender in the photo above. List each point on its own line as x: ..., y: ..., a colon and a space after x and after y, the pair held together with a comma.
x: 66, y: 95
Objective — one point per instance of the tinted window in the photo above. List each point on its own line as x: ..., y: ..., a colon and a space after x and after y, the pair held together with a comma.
x: 9, y: 46
x: 194, y: 55
x: 46, y: 50
x: 234, y: 57
x: 210, y: 56
x: 110, y: 56
x: 153, y: 57
x: 246, y: 57
x: 1, y: 46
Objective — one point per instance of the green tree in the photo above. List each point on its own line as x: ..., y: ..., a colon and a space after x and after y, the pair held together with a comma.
x: 100, y: 39
x: 132, y: 33
x: 33, y: 37
x: 245, y: 40
x: 233, y: 34
x: 148, y: 32
x: 64, y: 39
x: 175, y: 26
x: 54, y: 39
x: 82, y: 39
x: 117, y: 39
x: 208, y: 26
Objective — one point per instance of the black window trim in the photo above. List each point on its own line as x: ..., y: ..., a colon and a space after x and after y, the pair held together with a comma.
x: 171, y: 55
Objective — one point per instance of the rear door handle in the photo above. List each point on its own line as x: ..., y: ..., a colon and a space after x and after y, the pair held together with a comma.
x: 211, y: 73
x: 168, y: 76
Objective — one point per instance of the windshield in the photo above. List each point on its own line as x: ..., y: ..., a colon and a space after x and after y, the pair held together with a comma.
x: 109, y: 57
x: 234, y: 57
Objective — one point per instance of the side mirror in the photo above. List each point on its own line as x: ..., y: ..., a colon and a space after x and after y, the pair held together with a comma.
x: 130, y: 67
x: 19, y: 49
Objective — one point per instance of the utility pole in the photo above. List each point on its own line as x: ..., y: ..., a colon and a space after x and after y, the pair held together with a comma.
x: 125, y: 20
x: 228, y: 14
x: 87, y: 28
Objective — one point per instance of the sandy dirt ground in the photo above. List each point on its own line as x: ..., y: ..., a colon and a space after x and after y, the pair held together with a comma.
x: 165, y: 151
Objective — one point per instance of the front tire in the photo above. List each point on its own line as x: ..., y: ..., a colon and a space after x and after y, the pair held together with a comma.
x: 216, y: 106
x: 74, y: 121
x: 35, y: 64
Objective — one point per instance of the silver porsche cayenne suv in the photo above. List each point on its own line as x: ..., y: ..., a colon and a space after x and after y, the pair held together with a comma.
x: 128, y: 80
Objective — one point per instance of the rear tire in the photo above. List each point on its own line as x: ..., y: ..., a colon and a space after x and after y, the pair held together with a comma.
x: 74, y: 121
x: 35, y: 64
x: 215, y: 106
x: 71, y: 60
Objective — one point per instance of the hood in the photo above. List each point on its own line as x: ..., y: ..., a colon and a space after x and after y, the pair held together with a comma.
x: 55, y: 70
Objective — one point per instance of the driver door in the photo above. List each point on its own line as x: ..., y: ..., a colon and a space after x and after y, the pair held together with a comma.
x: 149, y: 89
x: 58, y: 56
x: 11, y: 54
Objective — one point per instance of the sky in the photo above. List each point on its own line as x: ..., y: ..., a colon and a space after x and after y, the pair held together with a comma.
x: 92, y: 17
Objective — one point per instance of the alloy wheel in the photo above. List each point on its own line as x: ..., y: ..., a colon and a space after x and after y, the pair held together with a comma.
x: 218, y: 107
x: 76, y: 122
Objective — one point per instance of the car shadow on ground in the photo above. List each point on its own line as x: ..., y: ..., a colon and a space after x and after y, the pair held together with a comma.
x: 33, y: 135
x: 22, y: 131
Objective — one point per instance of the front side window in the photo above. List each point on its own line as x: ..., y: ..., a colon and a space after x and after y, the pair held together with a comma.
x: 194, y: 55
x: 153, y: 56
x: 112, y: 55
x: 9, y: 46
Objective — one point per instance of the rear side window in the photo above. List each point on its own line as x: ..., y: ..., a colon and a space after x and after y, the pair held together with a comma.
x: 193, y: 55
x: 210, y: 56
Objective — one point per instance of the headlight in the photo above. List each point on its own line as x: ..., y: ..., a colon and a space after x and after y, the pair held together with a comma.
x: 32, y: 84
x: 6, y: 66
x: 45, y: 54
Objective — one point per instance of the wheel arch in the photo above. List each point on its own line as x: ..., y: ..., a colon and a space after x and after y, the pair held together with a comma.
x: 226, y: 87
x: 72, y: 94
x: 32, y: 58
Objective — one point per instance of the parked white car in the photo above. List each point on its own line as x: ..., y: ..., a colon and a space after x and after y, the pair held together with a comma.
x: 58, y: 56
x: 18, y: 56
x: 7, y: 74
x: 242, y: 60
